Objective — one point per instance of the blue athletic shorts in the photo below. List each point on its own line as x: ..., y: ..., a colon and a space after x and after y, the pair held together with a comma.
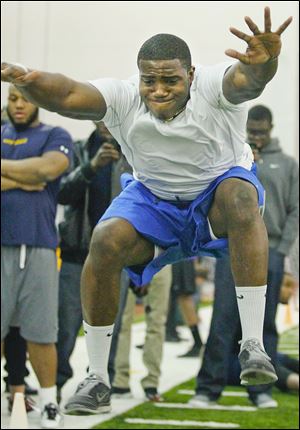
x: 180, y: 228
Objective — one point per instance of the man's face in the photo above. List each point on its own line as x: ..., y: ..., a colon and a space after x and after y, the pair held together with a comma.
x: 258, y: 133
x: 165, y: 86
x: 22, y: 113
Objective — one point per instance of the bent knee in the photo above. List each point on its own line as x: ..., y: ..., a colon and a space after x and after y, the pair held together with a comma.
x: 240, y: 200
x: 112, y: 239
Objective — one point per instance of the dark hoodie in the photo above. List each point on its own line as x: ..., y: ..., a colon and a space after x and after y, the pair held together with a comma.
x: 279, y: 174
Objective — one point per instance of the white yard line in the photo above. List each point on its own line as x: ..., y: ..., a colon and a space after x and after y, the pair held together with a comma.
x: 182, y: 424
x: 211, y: 407
x: 225, y: 393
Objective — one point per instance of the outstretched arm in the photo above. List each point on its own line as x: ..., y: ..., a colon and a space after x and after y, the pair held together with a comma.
x: 56, y: 92
x: 247, y: 78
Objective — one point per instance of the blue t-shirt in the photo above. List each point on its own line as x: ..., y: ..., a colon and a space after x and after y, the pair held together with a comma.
x: 28, y: 217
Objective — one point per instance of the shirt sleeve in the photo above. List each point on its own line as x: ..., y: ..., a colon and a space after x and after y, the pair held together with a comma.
x: 61, y: 141
x: 210, y: 84
x: 120, y: 96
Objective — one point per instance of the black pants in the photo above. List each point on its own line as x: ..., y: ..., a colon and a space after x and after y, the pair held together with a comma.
x: 15, y: 349
x: 225, y: 330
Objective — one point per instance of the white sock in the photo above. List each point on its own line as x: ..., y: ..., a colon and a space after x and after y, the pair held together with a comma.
x: 47, y: 395
x: 98, y: 340
x: 251, y: 303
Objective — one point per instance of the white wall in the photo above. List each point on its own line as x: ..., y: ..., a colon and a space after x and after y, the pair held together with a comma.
x: 91, y: 39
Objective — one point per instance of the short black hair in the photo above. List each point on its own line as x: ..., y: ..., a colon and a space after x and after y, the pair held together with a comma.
x: 260, y: 113
x: 165, y: 47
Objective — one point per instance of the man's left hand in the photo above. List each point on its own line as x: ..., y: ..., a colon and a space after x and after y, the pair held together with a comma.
x: 263, y: 46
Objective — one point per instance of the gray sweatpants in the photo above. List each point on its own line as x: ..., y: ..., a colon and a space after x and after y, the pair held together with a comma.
x: 29, y: 292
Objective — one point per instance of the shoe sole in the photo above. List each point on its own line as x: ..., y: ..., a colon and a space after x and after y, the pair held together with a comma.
x: 268, y: 406
x: 257, y: 377
x: 82, y: 410
x: 52, y: 425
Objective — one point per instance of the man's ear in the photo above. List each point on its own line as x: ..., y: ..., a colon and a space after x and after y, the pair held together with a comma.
x: 191, y: 74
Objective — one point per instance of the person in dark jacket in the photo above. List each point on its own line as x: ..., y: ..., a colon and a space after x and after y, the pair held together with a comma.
x: 87, y: 191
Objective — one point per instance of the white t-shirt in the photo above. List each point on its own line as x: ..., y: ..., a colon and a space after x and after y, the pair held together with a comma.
x: 182, y: 157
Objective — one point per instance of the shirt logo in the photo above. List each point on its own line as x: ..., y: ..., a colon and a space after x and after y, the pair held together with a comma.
x: 64, y: 149
x: 274, y: 166
x: 240, y: 297
x: 15, y: 142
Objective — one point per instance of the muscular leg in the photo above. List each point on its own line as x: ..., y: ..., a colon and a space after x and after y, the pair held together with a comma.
x: 235, y: 214
x: 115, y: 244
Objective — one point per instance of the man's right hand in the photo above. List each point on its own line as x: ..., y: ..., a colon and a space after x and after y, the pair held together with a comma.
x: 105, y: 155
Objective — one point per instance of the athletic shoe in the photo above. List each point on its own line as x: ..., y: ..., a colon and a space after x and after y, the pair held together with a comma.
x: 201, y: 401
x: 264, y: 401
x: 51, y: 417
x: 255, y: 364
x: 30, y: 391
x: 91, y: 397
x: 58, y: 395
x: 152, y: 395
x: 120, y: 393
x: 141, y: 346
x: 193, y: 352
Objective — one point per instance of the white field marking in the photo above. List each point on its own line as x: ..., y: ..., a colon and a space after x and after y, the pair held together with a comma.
x: 213, y: 407
x: 288, y: 345
x: 225, y: 393
x: 182, y: 424
x: 290, y: 351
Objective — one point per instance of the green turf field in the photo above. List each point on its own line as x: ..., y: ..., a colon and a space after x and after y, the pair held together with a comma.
x: 286, y: 416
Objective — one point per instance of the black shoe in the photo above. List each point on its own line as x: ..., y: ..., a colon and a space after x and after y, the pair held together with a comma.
x: 152, y: 395
x: 91, y: 397
x: 58, y: 395
x: 120, y: 393
x: 172, y: 336
x: 255, y: 364
x: 30, y: 391
x: 193, y: 352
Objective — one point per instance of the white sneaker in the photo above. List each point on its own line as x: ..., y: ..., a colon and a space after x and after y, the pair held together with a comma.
x: 201, y: 401
x: 264, y: 401
x: 51, y: 417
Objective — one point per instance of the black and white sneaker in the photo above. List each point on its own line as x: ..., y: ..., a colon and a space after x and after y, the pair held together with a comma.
x: 255, y: 364
x: 91, y: 397
x: 121, y: 393
x: 51, y: 417
x: 264, y: 401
